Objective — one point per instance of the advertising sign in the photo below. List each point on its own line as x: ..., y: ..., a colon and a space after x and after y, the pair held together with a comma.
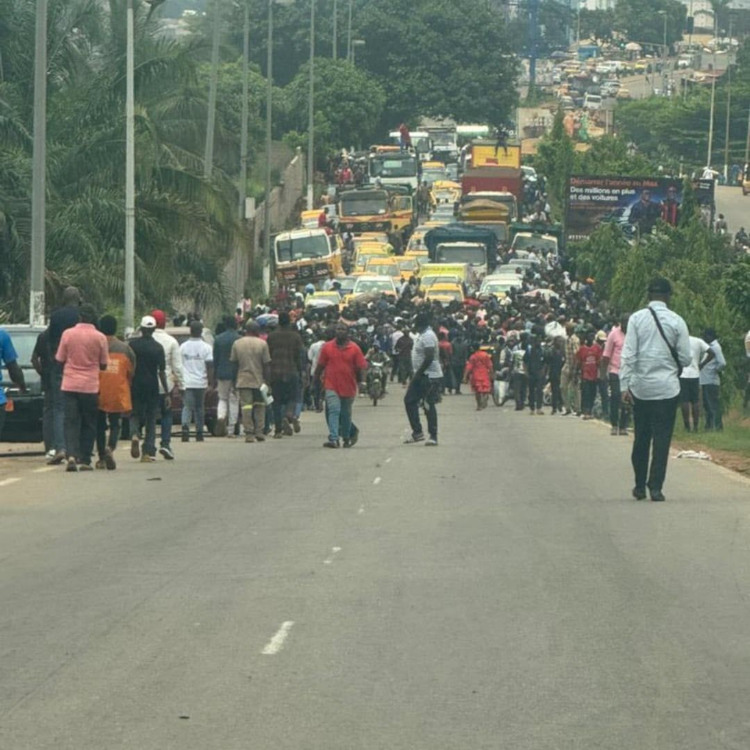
x: 633, y: 203
x: 493, y: 155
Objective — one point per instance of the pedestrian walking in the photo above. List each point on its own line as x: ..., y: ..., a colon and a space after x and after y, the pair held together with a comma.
x: 535, y: 360
x: 61, y: 320
x: 480, y: 374
x: 175, y: 381
x: 424, y: 387
x: 149, y: 374
x: 611, y: 357
x: 341, y: 367
x: 252, y: 359
x: 589, y: 355
x: 286, y: 349
x: 690, y: 389
x: 225, y: 372
x: 710, y: 379
x: 197, y: 366
x: 556, y: 362
x: 115, y: 400
x: 657, y: 347
x: 83, y: 353
x: 571, y: 373
x: 43, y: 363
x: 9, y: 358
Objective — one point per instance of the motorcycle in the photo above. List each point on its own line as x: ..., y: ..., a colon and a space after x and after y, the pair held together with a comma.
x: 375, y: 379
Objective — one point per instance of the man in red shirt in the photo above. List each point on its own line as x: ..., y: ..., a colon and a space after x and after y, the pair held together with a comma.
x: 589, y: 355
x: 83, y: 353
x: 343, y: 364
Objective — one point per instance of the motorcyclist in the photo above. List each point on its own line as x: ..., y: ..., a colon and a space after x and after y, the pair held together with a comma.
x: 375, y: 355
x: 741, y: 238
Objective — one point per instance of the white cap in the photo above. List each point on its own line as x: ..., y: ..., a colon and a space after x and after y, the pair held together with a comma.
x: 148, y: 321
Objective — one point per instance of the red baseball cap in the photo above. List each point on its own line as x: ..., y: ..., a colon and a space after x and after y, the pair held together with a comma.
x: 159, y: 317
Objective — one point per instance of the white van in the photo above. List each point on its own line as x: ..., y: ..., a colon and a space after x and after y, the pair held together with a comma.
x: 592, y: 101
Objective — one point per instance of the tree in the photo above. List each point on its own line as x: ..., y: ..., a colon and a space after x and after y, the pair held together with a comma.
x: 348, y: 101
x: 443, y: 58
x: 555, y: 158
x: 641, y: 20
x: 597, y: 24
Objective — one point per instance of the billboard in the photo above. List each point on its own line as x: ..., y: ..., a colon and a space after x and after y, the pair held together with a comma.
x: 489, y: 154
x: 633, y: 203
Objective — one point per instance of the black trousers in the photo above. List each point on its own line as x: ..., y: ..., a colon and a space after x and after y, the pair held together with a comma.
x: 81, y: 415
x: 654, y: 423
x: 712, y: 407
x: 519, y: 381
x: 427, y: 389
x: 557, y: 399
x: 536, y: 392
x: 588, y: 395
x: 284, y: 392
x: 113, y: 421
x: 618, y: 414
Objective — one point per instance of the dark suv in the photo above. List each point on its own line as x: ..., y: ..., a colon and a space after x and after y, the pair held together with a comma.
x: 24, y: 423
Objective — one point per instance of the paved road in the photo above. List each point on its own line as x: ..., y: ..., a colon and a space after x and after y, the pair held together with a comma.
x: 734, y: 206
x: 500, y: 591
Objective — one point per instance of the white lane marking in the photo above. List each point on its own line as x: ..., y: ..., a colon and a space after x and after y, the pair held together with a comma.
x: 334, y: 552
x: 361, y: 510
x: 376, y: 480
x: 388, y: 460
x: 277, y: 642
x: 43, y: 470
x: 10, y: 480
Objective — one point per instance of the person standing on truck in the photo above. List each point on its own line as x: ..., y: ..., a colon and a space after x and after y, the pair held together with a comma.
x: 404, y: 136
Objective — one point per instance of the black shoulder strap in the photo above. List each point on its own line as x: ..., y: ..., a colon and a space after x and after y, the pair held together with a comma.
x: 672, y: 350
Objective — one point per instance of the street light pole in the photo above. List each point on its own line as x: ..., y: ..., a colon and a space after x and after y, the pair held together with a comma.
x: 311, y: 114
x: 729, y: 105
x: 129, y: 322
x: 335, y: 29
x: 269, y: 109
x: 208, y: 157
x: 39, y: 176
x: 349, y: 33
x: 239, y: 283
x: 747, y: 140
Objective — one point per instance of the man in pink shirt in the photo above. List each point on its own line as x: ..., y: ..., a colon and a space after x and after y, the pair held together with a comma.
x: 83, y: 353
x: 618, y: 413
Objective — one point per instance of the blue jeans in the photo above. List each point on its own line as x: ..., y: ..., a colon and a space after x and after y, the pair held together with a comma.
x: 192, y: 404
x: 58, y: 408
x: 339, y: 415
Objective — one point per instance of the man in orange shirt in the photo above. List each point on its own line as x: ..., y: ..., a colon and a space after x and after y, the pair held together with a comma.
x: 114, y: 393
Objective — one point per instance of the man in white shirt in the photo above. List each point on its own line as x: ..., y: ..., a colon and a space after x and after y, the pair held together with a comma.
x: 175, y: 380
x: 197, y: 364
x: 690, y: 389
x: 657, y: 345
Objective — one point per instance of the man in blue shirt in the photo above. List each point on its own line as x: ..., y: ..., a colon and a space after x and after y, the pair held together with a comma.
x: 9, y: 358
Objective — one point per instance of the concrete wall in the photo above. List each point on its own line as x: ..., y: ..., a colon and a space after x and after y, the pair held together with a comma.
x: 284, y: 206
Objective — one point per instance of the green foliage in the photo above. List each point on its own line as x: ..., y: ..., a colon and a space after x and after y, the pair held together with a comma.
x: 597, y: 24
x: 554, y: 18
x: 348, y: 105
x: 641, y: 21
x: 600, y: 256
x: 555, y: 158
x: 736, y: 284
x: 442, y: 58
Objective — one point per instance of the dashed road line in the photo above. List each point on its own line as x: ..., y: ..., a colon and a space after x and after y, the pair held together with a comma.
x: 377, y: 480
x: 9, y: 480
x: 43, y: 469
x: 388, y: 460
x: 334, y: 552
x: 361, y: 510
x: 277, y: 642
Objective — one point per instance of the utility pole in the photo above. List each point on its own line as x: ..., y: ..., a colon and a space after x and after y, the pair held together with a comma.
x: 243, y: 135
x: 129, y: 322
x: 311, y: 114
x: 269, y: 114
x: 39, y: 175
x: 335, y: 29
x: 208, y: 157
x: 729, y: 105
x: 747, y: 140
x: 349, y: 33
x: 533, y: 24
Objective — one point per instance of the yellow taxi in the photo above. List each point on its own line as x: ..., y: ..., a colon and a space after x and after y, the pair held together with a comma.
x: 445, y: 293
x: 309, y: 219
x: 409, y: 264
x: 383, y: 266
x: 321, y: 300
x: 416, y: 241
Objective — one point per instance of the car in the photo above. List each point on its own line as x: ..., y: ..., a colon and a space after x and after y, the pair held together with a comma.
x: 24, y: 423
x: 346, y: 284
x: 374, y: 285
x: 623, y: 93
x: 445, y: 293
x: 322, y: 300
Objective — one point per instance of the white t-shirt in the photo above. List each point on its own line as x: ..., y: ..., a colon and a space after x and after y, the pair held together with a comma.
x: 698, y: 349
x: 196, y: 354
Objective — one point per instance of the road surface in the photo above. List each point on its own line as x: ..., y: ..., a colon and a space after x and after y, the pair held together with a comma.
x: 500, y: 591
x: 734, y: 206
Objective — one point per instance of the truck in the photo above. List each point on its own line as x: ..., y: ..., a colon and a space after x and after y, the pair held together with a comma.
x: 393, y: 167
x: 387, y: 209
x: 304, y: 256
x: 494, y: 180
x: 540, y: 237
x: 444, y: 144
x: 463, y: 243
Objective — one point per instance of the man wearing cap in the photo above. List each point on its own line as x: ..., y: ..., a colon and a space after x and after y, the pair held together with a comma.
x: 657, y: 347
x: 83, y: 353
x: 175, y: 380
x: 150, y: 372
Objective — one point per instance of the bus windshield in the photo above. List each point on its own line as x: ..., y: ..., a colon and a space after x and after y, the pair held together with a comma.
x: 290, y: 249
x: 474, y: 254
x: 393, y: 165
x: 364, y: 204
